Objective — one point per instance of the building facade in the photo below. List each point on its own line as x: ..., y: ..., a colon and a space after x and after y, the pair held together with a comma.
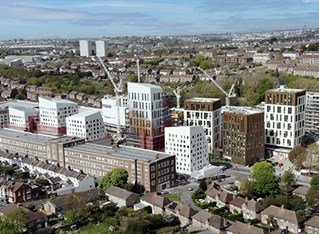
x: 189, y: 145
x: 86, y: 49
x: 243, y: 135
x: 284, y: 117
x: 19, y: 117
x: 146, y: 104
x: 100, y: 48
x: 87, y: 124
x: 205, y: 112
x: 53, y: 113
x: 312, y: 113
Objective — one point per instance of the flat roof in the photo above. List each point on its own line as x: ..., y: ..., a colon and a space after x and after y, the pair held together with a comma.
x: 244, y: 110
x: 123, y: 152
x: 58, y: 100
x: 84, y: 113
x: 283, y: 88
x: 25, y: 109
x: 145, y: 85
x: 17, y: 103
x: 25, y: 136
x: 199, y: 99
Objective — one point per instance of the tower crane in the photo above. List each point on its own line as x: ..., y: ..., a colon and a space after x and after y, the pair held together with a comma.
x: 118, y: 89
x: 177, y: 93
x: 231, y: 92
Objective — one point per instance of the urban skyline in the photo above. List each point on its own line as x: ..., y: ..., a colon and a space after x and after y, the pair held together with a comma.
x: 43, y: 19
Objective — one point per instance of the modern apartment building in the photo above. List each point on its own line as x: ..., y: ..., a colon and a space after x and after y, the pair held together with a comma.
x: 100, y: 48
x: 86, y: 48
x: 312, y: 113
x: 4, y: 116
x: 53, y: 113
x: 189, y: 145
x: 111, y: 113
x: 205, y: 112
x: 152, y: 169
x: 243, y: 135
x: 19, y: 118
x: 284, y: 117
x: 147, y: 115
x: 87, y: 124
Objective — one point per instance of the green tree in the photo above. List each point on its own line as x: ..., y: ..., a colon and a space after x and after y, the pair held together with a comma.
x: 265, y: 180
x: 246, y: 188
x: 312, y: 197
x: 314, y: 181
x: 13, y: 223
x: 289, y: 178
x: 117, y: 177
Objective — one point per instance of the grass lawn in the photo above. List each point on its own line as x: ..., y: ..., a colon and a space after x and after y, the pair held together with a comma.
x: 174, y: 197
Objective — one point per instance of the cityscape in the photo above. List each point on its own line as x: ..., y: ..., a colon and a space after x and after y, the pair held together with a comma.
x: 159, y: 117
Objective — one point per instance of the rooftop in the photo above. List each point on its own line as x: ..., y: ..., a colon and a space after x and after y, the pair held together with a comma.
x: 244, y: 110
x: 29, y: 137
x: 126, y: 152
x: 57, y: 100
x: 198, y: 99
x: 144, y: 85
x: 17, y: 103
x: 283, y: 88
x: 84, y: 113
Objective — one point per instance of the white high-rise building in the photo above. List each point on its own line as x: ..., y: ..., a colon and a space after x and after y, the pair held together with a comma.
x: 205, y: 112
x: 284, y: 117
x: 100, y: 48
x: 189, y: 145
x: 312, y: 113
x: 110, y: 112
x: 145, y: 104
x: 86, y: 49
x: 53, y: 113
x: 87, y: 124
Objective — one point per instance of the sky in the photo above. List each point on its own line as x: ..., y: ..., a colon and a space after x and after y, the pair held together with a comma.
x: 31, y: 19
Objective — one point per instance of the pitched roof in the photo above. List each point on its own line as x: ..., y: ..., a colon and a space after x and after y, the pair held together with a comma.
x: 218, y: 222
x: 241, y: 178
x: 119, y: 192
x: 237, y: 201
x: 242, y: 228
x: 301, y: 190
x: 254, y: 206
x: 30, y: 215
x: 202, y: 216
x: 212, y: 192
x: 313, y: 221
x: 225, y: 197
x: 156, y: 200
x: 282, y: 213
x: 185, y: 210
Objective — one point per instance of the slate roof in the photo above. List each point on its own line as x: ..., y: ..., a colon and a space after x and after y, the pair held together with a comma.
x: 242, y: 228
x: 119, y: 192
x: 313, y: 222
x: 237, y: 201
x: 156, y: 200
x: 218, y: 222
x: 282, y: 213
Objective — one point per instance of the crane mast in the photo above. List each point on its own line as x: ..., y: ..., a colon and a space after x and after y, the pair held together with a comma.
x: 228, y: 95
x: 117, y: 90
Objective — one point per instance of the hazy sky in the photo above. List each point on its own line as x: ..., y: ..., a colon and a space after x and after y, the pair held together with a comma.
x: 90, y: 18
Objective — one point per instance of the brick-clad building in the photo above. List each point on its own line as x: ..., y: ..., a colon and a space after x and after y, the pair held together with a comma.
x: 243, y: 134
x: 154, y: 170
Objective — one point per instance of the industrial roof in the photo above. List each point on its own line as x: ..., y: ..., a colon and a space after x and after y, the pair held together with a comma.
x: 123, y: 152
x: 244, y: 110
x: 17, y: 103
x: 30, y: 137
x: 198, y: 99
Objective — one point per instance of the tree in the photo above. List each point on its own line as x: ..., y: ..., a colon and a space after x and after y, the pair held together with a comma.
x: 297, y: 156
x: 265, y: 180
x: 312, y: 197
x: 13, y: 223
x: 289, y: 178
x: 203, y: 185
x: 314, y: 181
x: 117, y: 177
x: 246, y: 188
